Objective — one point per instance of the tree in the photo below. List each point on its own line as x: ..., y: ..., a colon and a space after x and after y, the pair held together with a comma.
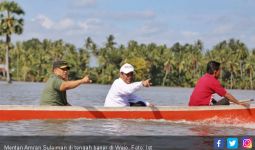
x: 110, y: 41
x: 10, y: 23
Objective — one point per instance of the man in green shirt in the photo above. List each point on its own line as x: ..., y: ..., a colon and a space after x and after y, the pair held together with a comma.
x: 54, y: 92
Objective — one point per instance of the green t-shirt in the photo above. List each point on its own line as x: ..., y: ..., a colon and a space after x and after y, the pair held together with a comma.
x: 51, y: 94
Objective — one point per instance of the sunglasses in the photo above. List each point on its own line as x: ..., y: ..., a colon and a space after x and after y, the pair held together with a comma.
x: 128, y: 74
x: 64, y: 69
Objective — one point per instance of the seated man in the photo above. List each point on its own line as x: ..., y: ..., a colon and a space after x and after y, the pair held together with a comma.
x: 54, y: 92
x: 209, y: 84
x: 122, y: 90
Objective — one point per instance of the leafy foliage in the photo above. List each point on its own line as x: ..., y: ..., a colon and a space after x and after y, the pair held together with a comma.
x: 178, y: 65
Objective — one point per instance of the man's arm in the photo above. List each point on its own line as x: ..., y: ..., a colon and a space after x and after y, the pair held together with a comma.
x: 126, y: 89
x: 135, y: 98
x: 66, y: 85
x: 234, y: 100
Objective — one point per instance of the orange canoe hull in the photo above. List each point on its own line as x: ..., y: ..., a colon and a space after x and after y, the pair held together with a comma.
x: 172, y: 113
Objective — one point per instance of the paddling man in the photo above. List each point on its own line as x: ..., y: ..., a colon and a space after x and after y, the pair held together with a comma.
x: 54, y: 92
x: 209, y: 84
x: 122, y: 90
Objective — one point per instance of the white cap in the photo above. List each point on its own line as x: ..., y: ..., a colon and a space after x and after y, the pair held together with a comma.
x: 126, y: 68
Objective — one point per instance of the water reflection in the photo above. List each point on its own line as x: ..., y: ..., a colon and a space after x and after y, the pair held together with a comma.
x: 203, y: 130
x: 53, y: 127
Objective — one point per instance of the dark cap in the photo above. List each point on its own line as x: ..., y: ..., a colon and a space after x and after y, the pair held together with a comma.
x: 60, y: 64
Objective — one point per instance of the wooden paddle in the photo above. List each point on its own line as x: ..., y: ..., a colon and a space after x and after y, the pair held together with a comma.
x: 244, y: 101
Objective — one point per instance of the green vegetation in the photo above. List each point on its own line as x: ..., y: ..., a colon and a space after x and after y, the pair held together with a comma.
x: 179, y: 65
x: 10, y: 23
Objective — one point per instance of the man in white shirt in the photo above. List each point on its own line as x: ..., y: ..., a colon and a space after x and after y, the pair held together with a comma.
x: 122, y: 90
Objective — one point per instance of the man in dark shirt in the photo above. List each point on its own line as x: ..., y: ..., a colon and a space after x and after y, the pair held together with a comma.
x: 54, y: 92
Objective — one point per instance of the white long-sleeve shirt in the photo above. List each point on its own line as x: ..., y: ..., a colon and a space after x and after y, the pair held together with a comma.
x: 121, y: 93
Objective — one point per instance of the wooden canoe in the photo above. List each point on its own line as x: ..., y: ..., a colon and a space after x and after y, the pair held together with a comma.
x: 172, y: 113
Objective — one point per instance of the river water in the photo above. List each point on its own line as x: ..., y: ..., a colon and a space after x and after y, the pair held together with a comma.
x: 24, y: 93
